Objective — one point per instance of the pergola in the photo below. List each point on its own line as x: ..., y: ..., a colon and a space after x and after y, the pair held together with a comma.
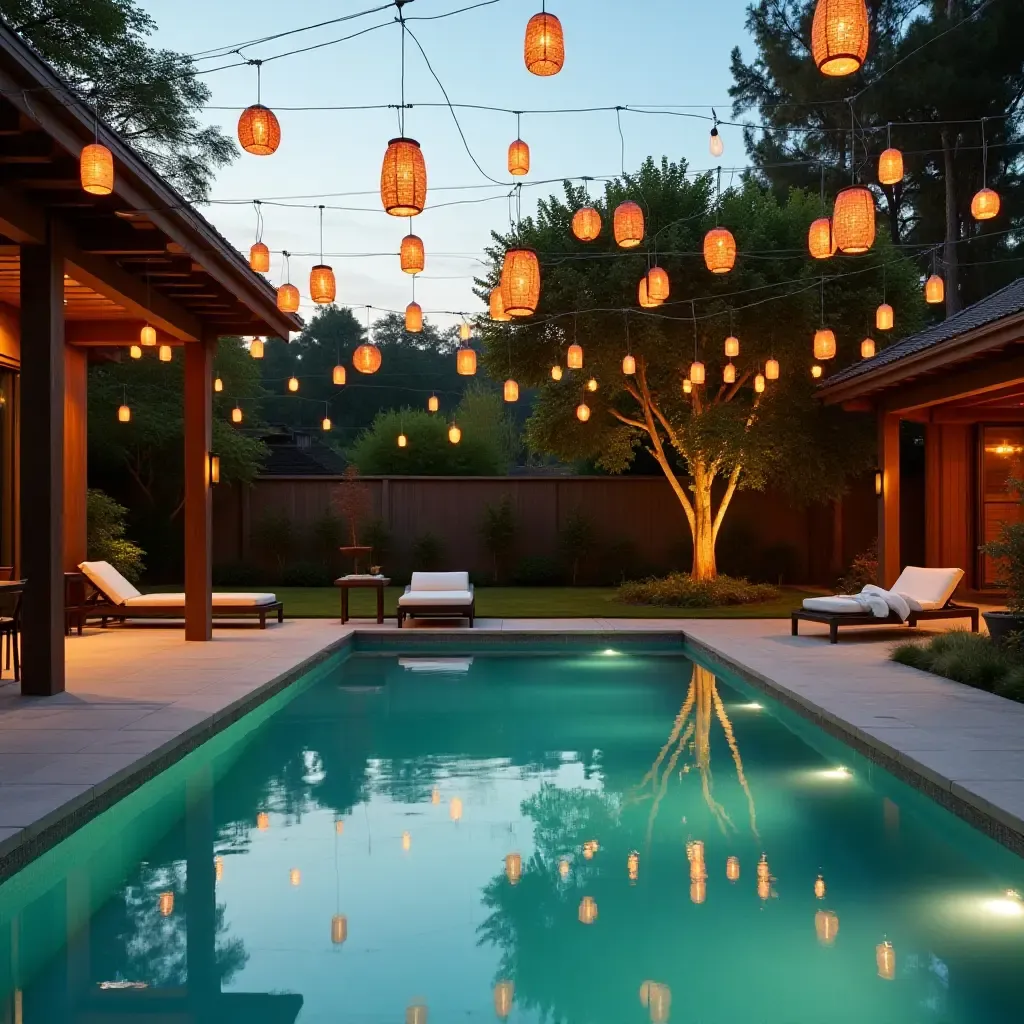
x: 80, y: 272
x: 960, y: 378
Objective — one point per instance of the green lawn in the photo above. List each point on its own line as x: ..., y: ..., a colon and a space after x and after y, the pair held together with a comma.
x: 528, y: 603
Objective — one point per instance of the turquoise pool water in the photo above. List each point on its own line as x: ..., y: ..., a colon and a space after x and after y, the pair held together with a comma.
x: 528, y: 837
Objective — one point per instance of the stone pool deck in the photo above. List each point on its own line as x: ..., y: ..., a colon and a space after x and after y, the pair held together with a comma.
x: 139, y: 698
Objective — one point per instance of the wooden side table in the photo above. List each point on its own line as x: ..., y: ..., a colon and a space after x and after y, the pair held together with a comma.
x: 347, y: 583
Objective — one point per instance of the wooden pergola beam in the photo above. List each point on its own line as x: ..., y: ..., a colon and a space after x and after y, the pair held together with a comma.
x: 991, y: 376
x: 109, y: 333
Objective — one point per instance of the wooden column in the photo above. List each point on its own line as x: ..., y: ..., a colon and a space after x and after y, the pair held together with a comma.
x: 42, y: 466
x: 198, y: 506
x: 889, y: 566
x: 76, y: 447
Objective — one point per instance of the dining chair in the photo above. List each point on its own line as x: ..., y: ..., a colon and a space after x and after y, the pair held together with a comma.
x: 10, y: 625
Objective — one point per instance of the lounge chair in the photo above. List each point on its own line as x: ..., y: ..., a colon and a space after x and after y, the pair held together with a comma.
x: 114, y: 597
x: 446, y: 595
x: 919, y: 594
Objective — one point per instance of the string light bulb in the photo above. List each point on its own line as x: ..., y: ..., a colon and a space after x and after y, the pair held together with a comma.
x: 592, y: 384
x: 816, y: 371
x: 465, y: 331
x: 715, y: 145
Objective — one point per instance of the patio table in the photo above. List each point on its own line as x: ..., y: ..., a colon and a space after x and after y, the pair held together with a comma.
x: 347, y: 583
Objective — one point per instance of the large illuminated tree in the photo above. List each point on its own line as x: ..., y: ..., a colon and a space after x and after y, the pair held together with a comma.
x: 718, y: 436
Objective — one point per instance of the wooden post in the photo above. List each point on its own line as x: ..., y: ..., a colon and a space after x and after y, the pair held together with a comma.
x: 76, y: 447
x: 198, y: 506
x: 889, y: 566
x: 42, y: 466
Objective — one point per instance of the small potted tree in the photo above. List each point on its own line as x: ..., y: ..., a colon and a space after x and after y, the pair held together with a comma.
x: 353, y: 502
x: 1008, y: 548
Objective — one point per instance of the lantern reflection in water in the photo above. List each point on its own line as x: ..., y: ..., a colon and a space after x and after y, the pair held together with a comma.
x: 698, y: 891
x: 416, y: 1013
x: 826, y: 927
x: 435, y: 793
x: 563, y: 868
x: 339, y: 827
x: 513, y: 868
x: 455, y: 809
x: 295, y: 876
x: 885, y: 961
x: 339, y: 929
x: 218, y: 868
x: 263, y: 821
x: 588, y: 910
x: 406, y: 842
x: 504, y: 994
x: 166, y: 903
x: 819, y: 888
x: 659, y: 1002
x: 633, y: 866
x: 732, y: 869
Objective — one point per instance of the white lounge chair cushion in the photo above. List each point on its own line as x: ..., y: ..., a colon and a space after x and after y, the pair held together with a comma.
x: 836, y: 605
x: 106, y: 579
x: 926, y: 589
x: 219, y: 600
x: 436, y: 581
x: 437, y: 598
x: 871, y: 599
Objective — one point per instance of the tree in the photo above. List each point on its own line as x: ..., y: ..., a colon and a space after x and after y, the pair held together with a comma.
x: 576, y: 540
x: 498, y: 531
x: 927, y: 65
x: 724, y: 434
x: 151, y: 97
x: 105, y: 536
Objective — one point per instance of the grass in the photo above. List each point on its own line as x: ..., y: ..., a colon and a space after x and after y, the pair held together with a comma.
x: 530, y: 603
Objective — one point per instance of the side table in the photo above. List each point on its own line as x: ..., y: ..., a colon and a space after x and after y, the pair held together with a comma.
x: 347, y: 583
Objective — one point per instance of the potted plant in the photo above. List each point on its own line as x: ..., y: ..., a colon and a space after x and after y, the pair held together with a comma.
x: 353, y: 502
x: 1008, y: 547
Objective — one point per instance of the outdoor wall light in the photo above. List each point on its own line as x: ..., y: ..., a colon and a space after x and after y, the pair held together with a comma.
x: 878, y: 483
x: 213, y: 467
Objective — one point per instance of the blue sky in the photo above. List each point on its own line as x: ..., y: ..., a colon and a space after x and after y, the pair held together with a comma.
x: 655, y: 53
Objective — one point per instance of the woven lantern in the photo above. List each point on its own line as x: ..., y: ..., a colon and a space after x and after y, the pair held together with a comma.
x: 588, y: 910
x: 719, y: 250
x: 497, y: 306
x: 592, y: 384
x: 236, y: 417
x: 124, y: 414
x: 816, y: 371
x: 985, y: 204
x: 147, y: 336
x: 729, y: 374
x: 934, y: 290
x: 646, y: 302
x: 510, y: 391
x: 366, y: 358
x: 135, y: 351
x: 824, y: 344
x: 885, y: 961
x: 414, y: 318
x: 504, y: 993
x: 586, y: 224
x: 628, y: 366
x: 339, y: 929
x: 293, y: 384
x: 884, y: 317
x: 322, y: 286
x: 288, y: 298
x: 465, y: 331
x: 259, y: 131
x: 256, y: 348
x: 759, y: 383
x: 698, y: 891
x: 732, y: 869
x: 544, y: 46
x: 687, y: 386
x: 96, y: 169
x: 820, y: 240
x: 403, y: 178
x: 165, y: 354
x: 839, y: 36
x: 514, y: 868
x: 697, y: 372
x: 574, y: 357
x: 556, y: 372
x: 454, y: 434
x: 518, y: 158
x: 583, y: 412
x: 166, y: 903
x: 338, y: 375
x: 628, y: 224
x: 432, y: 406
x: 732, y: 346
x: 259, y: 257
x: 465, y: 362
x: 826, y: 927
x: 853, y: 219
x: 771, y: 369
x: 520, y: 282
x: 867, y: 348
x: 890, y: 166
x: 411, y: 255
x: 657, y: 284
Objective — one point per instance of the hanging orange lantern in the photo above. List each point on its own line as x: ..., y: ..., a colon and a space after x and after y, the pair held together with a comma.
x: 414, y: 318
x: 646, y: 302
x: 259, y: 131
x: 288, y: 298
x: 366, y: 358
x: 719, y: 250
x: 454, y: 434
x: 592, y: 384
x: 339, y: 929
x: 732, y: 347
x: 583, y: 412
x: 135, y: 351
x: 934, y: 290
x: 885, y: 961
x: 322, y: 286
x: 165, y: 354
x: 867, y: 348
x: 293, y: 384
x: 147, y: 336
x: 839, y: 36
x: 890, y: 167
x: 96, y: 169
x: 465, y: 331
x: 520, y: 282
x: 732, y: 869
x: 826, y: 927
x: 513, y: 868
x: 236, y: 417
x: 338, y: 375
x: 729, y: 373
x: 498, y: 306
x: 544, y: 46
x: 465, y: 362
x: 588, y: 910
x: 771, y: 369
x: 259, y: 257
x: 759, y: 383
x: 518, y: 158
x: 824, y: 344
x: 504, y: 994
x: 884, y: 317
x: 432, y: 406
x: 628, y: 224
x: 586, y: 224
x: 697, y: 372
x: 256, y: 348
x: 816, y: 371
x: 820, y: 240
x: 556, y: 372
x: 687, y: 386
x: 124, y: 414
x: 985, y: 204
x: 166, y: 903
x: 853, y: 219
x: 411, y: 256
x: 819, y: 888
x: 574, y: 357
x: 403, y: 178
x: 510, y: 391
x: 657, y: 284
x: 628, y: 366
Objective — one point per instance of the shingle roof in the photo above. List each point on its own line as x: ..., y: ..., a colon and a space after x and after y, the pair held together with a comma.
x: 1006, y: 302
x: 316, y: 459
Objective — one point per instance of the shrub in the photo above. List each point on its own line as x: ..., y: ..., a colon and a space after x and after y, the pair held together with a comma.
x: 969, y: 658
x: 576, y: 540
x: 427, y: 553
x: 863, y: 570
x: 105, y: 535
x: 274, y: 538
x: 1008, y: 549
x: 307, y: 574
x: 327, y: 535
x: 498, y: 530
x: 680, y: 590
x: 377, y: 535
x: 538, y: 571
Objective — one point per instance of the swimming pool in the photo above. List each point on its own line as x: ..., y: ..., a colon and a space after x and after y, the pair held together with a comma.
x: 604, y: 836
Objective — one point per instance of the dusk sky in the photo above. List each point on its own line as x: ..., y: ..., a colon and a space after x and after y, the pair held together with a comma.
x: 659, y: 54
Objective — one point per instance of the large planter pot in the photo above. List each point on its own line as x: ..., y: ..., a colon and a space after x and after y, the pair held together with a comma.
x: 357, y: 552
x: 1002, y: 624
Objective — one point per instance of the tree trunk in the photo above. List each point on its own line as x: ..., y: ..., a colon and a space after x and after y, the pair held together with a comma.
x: 949, y: 257
x: 704, y: 566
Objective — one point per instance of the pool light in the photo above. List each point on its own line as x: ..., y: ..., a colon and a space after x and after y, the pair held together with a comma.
x: 608, y: 652
x: 839, y: 772
x: 1010, y: 905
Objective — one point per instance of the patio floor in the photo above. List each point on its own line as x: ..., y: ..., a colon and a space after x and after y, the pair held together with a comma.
x: 137, y: 698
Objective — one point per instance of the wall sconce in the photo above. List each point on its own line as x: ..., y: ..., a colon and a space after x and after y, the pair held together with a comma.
x: 878, y: 483
x: 213, y: 467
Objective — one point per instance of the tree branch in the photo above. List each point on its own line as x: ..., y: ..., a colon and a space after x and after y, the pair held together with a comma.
x: 723, y: 505
x: 625, y: 419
